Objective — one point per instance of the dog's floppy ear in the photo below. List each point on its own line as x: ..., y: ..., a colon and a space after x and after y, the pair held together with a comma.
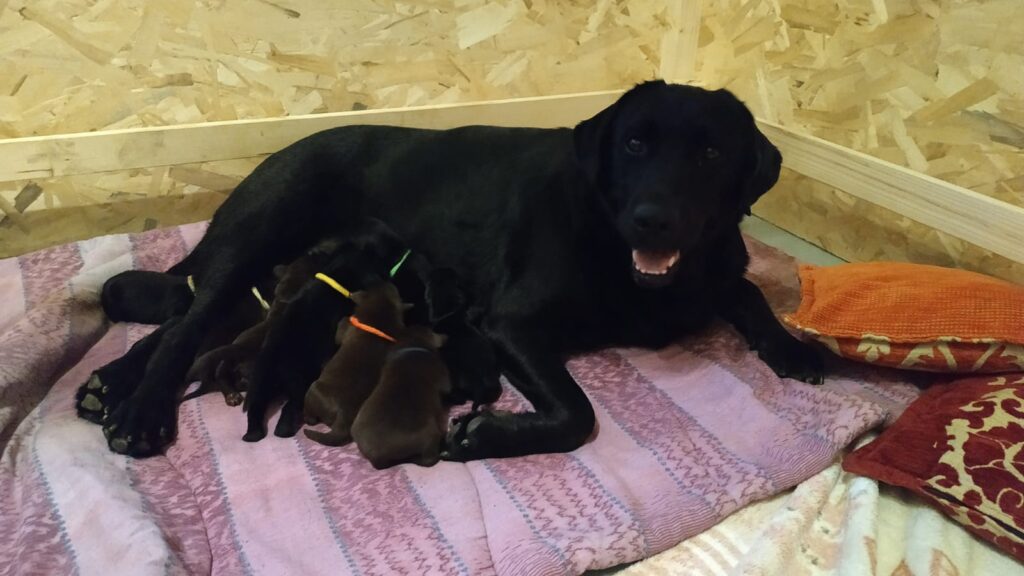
x: 588, y: 137
x: 765, y: 164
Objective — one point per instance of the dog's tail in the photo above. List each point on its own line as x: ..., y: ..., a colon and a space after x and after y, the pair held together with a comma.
x: 332, y: 438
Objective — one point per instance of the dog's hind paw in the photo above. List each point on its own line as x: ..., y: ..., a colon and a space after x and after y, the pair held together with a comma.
x: 141, y: 426
x: 101, y: 394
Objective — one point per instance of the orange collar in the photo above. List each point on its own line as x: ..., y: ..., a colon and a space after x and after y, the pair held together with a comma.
x: 367, y: 328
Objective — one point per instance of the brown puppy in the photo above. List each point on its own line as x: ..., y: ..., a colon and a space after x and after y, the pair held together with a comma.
x: 404, y: 419
x: 351, y: 374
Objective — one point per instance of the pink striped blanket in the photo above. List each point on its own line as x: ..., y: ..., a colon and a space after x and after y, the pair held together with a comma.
x: 686, y: 436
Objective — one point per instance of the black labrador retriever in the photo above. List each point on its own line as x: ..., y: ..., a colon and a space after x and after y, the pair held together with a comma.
x: 622, y: 231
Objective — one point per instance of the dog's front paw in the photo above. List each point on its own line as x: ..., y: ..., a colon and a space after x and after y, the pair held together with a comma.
x: 141, y: 426
x: 791, y: 358
x: 461, y: 442
x: 101, y: 394
x: 474, y: 436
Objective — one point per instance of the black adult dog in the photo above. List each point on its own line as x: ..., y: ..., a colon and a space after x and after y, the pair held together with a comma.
x: 621, y: 231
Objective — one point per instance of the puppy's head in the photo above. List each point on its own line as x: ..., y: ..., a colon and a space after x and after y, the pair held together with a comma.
x: 367, y: 250
x: 380, y: 304
x: 673, y: 166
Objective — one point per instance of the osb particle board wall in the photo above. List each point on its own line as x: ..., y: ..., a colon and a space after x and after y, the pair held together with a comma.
x: 934, y: 85
x: 81, y: 65
x: 930, y: 85
x: 859, y: 231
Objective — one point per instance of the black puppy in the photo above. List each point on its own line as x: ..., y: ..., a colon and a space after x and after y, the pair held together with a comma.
x: 468, y: 353
x: 621, y: 231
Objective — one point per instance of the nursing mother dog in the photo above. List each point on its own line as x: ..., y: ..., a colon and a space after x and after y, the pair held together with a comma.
x: 622, y: 231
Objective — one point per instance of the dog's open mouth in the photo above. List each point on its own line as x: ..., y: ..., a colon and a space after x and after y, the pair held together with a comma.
x: 654, y: 265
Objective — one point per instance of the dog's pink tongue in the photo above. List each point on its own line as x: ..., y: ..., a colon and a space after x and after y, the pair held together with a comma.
x: 654, y: 262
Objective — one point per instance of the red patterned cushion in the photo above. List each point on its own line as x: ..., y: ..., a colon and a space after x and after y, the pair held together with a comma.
x: 961, y: 447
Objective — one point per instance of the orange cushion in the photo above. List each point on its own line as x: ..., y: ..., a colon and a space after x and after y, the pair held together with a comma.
x: 913, y: 316
x: 957, y: 446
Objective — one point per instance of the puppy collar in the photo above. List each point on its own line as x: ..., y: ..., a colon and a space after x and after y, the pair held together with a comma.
x: 259, y: 297
x: 334, y: 284
x: 367, y: 328
x: 191, y: 281
x: 395, y: 268
x: 345, y: 291
x: 411, y: 349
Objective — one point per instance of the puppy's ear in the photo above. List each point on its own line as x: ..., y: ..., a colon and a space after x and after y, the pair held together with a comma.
x: 358, y: 297
x: 589, y: 137
x: 765, y: 164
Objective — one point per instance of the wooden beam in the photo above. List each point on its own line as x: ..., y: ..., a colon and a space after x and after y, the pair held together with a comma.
x: 678, y: 51
x: 979, y: 219
x: 989, y: 223
x: 69, y: 224
x: 85, y: 153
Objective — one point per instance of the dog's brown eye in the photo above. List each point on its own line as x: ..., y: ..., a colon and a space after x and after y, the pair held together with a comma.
x: 636, y: 146
x: 711, y: 153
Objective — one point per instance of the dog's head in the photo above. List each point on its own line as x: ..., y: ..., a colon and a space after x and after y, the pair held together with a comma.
x: 673, y: 165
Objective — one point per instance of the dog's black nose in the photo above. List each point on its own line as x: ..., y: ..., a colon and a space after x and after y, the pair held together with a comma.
x: 651, y: 219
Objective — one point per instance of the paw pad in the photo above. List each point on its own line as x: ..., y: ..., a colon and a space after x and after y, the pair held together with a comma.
x: 91, y: 402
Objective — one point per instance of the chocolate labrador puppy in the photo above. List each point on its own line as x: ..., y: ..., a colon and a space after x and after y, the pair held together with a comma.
x: 351, y: 374
x: 404, y: 419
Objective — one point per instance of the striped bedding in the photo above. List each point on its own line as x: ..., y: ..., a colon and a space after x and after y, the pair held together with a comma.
x: 686, y: 436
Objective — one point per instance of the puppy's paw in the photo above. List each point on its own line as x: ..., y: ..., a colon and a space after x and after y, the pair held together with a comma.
x: 290, y: 421
x: 255, y: 431
x: 101, y: 394
x: 791, y: 358
x: 232, y: 398
x: 141, y: 426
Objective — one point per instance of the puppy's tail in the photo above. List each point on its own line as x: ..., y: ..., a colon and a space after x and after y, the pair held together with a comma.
x: 331, y: 438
